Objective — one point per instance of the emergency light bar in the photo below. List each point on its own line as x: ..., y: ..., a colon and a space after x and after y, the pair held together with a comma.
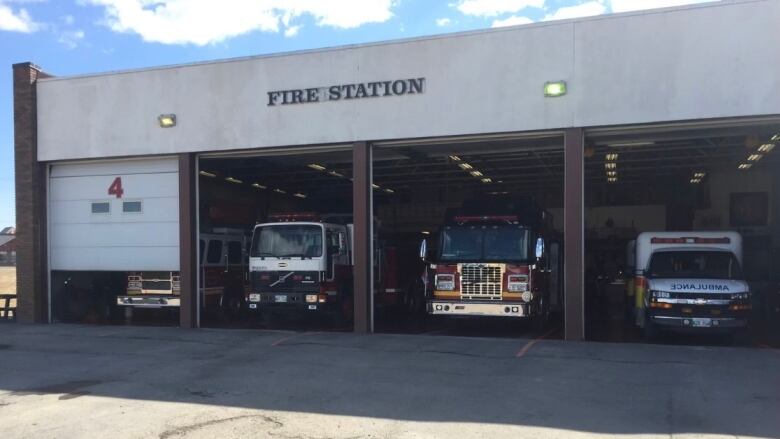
x: 684, y: 240
x: 484, y: 218
x: 287, y: 217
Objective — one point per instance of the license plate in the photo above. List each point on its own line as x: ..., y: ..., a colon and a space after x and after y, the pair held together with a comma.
x: 702, y: 323
x: 252, y: 306
x: 280, y: 298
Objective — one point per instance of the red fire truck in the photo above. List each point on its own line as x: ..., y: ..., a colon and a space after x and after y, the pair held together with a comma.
x: 504, y: 265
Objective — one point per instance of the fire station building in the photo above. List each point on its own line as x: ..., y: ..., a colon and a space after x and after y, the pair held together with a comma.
x: 656, y: 120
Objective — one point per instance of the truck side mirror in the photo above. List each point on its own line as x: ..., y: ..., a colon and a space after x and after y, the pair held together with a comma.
x: 424, y: 249
x: 539, y: 248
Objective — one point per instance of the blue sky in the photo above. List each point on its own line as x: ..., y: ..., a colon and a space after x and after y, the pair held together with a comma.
x: 67, y: 37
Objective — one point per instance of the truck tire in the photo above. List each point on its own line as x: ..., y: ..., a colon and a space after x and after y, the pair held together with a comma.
x: 540, y: 320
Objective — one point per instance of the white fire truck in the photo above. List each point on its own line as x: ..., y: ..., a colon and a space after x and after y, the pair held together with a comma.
x: 689, y: 281
x: 222, y: 276
x: 495, y: 265
x: 302, y: 262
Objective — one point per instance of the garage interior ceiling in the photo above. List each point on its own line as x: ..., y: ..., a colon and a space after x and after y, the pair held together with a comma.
x: 516, y: 165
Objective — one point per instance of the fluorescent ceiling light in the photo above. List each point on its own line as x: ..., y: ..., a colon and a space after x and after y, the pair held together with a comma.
x: 487, y: 180
x: 454, y: 158
x: 316, y: 166
x: 745, y: 165
x: 259, y: 186
x: 374, y: 185
x: 207, y: 174
x: 611, y: 173
x: 279, y: 191
x: 776, y: 137
x: 425, y: 232
x: 336, y: 174
x: 476, y: 173
x: 233, y: 180
x: 754, y: 157
x: 699, y: 175
x: 612, y: 179
x: 299, y: 195
x: 611, y: 165
x: 389, y: 191
x: 612, y: 156
x: 465, y: 166
x: 767, y: 147
x: 695, y: 180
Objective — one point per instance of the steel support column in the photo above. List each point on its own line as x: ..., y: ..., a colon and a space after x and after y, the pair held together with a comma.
x: 574, y: 234
x: 362, y: 208
x: 188, y: 311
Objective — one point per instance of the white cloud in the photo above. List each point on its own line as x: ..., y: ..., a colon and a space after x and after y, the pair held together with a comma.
x: 292, y: 31
x: 511, y: 21
x: 441, y: 22
x: 68, y: 19
x: 16, y: 21
x: 589, y: 9
x: 204, y: 22
x: 71, y: 39
x: 636, y: 5
x: 491, y: 8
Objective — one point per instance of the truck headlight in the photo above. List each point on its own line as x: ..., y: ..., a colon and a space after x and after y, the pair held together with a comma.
x: 445, y: 282
x: 254, y: 297
x: 527, y: 296
x: 311, y: 298
x: 517, y: 283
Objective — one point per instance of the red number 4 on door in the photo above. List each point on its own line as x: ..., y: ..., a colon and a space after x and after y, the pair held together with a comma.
x: 116, y: 188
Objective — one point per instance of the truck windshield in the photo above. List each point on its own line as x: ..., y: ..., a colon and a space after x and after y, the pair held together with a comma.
x: 283, y: 240
x: 484, y: 243
x: 695, y: 265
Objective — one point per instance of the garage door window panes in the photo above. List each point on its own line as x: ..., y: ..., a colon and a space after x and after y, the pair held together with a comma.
x: 101, y: 207
x: 132, y: 207
x: 214, y: 255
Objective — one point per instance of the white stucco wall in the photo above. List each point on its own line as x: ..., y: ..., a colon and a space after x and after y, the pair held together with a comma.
x: 655, y: 66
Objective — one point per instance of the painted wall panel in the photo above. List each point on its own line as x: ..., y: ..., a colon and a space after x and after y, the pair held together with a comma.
x: 695, y: 62
x: 82, y: 240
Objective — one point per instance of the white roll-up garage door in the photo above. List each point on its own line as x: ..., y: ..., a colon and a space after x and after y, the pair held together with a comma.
x: 118, y: 215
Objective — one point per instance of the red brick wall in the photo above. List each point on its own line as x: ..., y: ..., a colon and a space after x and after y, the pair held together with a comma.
x: 31, y: 271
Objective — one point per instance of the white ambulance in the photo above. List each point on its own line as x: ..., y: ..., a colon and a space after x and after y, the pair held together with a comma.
x: 690, y: 281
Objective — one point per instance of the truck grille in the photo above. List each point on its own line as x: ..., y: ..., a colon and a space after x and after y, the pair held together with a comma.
x: 481, y: 281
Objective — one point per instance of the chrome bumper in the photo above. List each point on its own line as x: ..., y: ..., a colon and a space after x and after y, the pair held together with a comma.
x: 454, y: 308
x: 149, y: 301
x: 703, y: 323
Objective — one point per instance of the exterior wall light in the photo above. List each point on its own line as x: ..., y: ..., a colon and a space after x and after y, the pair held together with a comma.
x: 389, y: 191
x: 167, y: 120
x: 299, y: 195
x: 259, y: 186
x: 233, y: 180
x: 554, y: 89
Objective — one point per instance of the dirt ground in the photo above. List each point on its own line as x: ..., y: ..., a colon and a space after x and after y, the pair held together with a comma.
x: 7, y: 280
x: 7, y: 283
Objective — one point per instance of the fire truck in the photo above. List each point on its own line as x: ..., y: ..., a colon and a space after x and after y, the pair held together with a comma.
x: 222, y: 265
x: 505, y: 265
x: 302, y: 262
